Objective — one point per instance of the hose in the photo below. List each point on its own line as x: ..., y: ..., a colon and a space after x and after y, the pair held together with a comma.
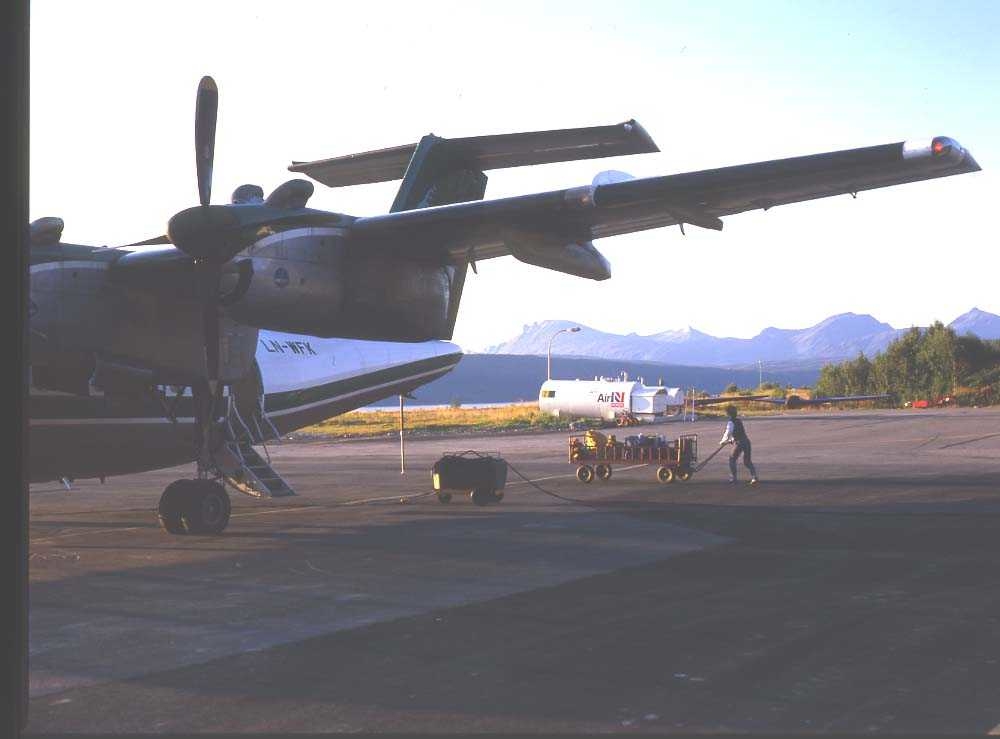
x: 540, y: 489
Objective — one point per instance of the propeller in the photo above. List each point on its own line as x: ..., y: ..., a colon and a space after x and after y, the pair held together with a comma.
x: 206, y: 232
x: 205, y: 114
x: 213, y: 234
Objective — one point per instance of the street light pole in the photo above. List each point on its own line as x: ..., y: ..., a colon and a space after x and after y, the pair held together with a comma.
x: 548, y: 362
x: 402, y: 446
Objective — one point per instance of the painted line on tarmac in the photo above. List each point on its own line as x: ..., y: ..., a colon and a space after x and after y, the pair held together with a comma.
x: 50, y: 539
x: 969, y: 438
x: 969, y: 441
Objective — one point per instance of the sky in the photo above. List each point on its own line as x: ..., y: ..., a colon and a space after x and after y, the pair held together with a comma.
x: 112, y: 87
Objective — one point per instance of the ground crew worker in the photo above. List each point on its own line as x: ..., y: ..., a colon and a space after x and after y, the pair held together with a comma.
x: 737, y: 435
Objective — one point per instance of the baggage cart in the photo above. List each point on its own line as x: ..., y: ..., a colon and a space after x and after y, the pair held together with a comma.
x: 595, y: 455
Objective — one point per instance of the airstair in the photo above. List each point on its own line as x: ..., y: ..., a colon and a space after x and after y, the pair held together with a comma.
x: 255, y: 476
x: 247, y: 470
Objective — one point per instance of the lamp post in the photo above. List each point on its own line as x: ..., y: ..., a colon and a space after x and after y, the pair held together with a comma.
x: 548, y: 363
x: 402, y: 447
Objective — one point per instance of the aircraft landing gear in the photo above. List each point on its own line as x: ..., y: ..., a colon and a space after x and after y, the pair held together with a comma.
x: 194, y: 507
x: 201, y: 505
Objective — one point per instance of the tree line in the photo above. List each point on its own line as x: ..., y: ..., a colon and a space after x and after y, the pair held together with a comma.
x: 928, y: 364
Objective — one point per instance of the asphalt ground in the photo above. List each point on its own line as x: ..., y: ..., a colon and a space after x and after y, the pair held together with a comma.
x: 856, y: 589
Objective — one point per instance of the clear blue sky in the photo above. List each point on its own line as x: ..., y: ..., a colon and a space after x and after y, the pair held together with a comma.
x: 112, y: 105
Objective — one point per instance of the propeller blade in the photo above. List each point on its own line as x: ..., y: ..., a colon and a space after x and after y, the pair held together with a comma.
x: 152, y: 241
x: 210, y: 324
x: 206, y: 111
x: 208, y: 278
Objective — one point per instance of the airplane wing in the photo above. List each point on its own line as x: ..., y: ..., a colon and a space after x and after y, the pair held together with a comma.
x: 554, y: 229
x: 737, y: 399
x: 795, y: 401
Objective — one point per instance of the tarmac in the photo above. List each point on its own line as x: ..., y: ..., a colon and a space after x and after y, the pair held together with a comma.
x: 855, y: 589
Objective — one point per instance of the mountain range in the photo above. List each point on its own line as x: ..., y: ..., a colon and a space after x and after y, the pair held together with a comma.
x: 505, y: 378
x: 836, y: 338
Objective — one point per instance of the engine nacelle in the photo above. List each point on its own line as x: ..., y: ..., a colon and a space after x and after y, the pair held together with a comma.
x: 297, y: 282
x: 578, y: 258
x: 312, y: 281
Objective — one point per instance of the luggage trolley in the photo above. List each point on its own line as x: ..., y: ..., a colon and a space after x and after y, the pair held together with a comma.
x: 595, y: 453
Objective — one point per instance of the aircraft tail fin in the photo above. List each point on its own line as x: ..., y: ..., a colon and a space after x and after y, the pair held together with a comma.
x: 439, y: 173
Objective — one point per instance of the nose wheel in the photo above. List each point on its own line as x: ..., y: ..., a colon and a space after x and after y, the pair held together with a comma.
x: 194, y: 507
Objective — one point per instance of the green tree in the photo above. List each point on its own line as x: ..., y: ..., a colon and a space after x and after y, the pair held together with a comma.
x: 928, y: 363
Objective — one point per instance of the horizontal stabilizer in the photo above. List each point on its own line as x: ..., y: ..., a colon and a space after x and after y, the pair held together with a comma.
x: 487, y: 152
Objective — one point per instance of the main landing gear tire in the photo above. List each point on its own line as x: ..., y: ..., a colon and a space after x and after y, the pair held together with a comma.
x: 207, y: 509
x: 603, y: 472
x: 665, y: 475
x: 585, y: 473
x: 194, y: 507
x: 171, y: 504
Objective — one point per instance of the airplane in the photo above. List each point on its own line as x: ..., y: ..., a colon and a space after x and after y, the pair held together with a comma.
x: 797, y: 401
x: 251, y: 319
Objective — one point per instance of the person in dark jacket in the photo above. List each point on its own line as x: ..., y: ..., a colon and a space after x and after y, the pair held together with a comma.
x: 737, y: 436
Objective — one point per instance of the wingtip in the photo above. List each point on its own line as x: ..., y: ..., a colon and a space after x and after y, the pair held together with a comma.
x: 645, y: 143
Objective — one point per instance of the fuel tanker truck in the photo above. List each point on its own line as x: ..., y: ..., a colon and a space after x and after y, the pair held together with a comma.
x: 621, y: 400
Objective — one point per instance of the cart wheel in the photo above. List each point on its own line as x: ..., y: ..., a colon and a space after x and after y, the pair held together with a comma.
x: 498, y: 495
x: 444, y: 497
x: 603, y: 471
x: 483, y: 496
x: 684, y: 475
x: 584, y: 473
x: 665, y: 475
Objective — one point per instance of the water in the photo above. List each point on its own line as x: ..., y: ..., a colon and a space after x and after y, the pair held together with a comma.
x: 410, y: 405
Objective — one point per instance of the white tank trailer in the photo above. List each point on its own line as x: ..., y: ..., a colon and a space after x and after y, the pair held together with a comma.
x: 608, y: 398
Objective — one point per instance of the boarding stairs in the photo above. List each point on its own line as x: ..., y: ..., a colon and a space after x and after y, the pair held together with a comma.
x: 246, y: 470
x: 256, y: 477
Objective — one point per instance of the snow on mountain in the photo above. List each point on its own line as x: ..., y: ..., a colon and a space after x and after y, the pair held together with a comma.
x: 838, y: 337
x: 982, y: 324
